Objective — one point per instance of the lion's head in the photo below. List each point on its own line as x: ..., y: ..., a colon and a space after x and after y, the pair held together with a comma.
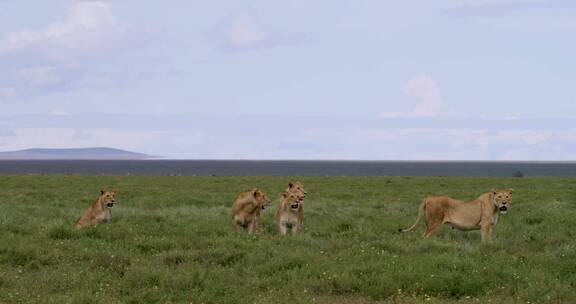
x: 107, y: 198
x: 296, y: 188
x: 502, y: 199
x: 292, y: 201
x: 261, y: 198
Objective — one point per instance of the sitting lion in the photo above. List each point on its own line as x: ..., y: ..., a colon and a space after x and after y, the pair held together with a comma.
x: 100, y: 211
x: 290, y: 213
x: 479, y: 214
x: 246, y: 209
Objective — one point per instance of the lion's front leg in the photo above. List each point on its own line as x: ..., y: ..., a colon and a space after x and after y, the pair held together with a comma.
x: 295, y: 227
x: 282, y: 228
x: 253, y: 225
x: 486, y: 232
x: 495, y: 219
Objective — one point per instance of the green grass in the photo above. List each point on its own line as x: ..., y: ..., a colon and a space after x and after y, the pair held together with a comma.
x: 171, y: 240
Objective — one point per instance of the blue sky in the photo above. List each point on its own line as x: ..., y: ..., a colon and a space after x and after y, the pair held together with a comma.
x: 292, y: 79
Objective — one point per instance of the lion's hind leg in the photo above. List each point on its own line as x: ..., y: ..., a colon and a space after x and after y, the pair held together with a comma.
x: 430, y: 230
x: 433, y: 222
x: 240, y: 223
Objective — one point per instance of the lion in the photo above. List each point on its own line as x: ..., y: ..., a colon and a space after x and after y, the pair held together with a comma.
x: 479, y: 214
x: 290, y: 212
x: 246, y: 209
x: 100, y: 211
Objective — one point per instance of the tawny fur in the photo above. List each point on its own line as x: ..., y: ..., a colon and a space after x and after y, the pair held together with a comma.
x: 246, y: 209
x: 479, y: 214
x: 290, y: 213
x: 100, y: 211
x: 296, y: 188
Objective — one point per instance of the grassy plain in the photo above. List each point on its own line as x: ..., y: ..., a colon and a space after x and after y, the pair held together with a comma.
x: 171, y: 241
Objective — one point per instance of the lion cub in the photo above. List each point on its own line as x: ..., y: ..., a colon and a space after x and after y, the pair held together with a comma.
x: 100, y: 211
x: 290, y: 213
x: 246, y: 209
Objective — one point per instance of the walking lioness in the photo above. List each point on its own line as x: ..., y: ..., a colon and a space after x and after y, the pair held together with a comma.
x: 479, y: 214
x: 246, y: 209
x: 100, y: 211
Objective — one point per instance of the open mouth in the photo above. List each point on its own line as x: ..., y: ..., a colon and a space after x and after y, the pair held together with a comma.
x: 295, y: 206
x: 263, y: 207
x: 503, y: 209
x: 110, y: 205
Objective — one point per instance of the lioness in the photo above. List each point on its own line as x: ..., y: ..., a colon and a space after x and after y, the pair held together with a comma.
x: 246, y: 209
x: 479, y: 214
x: 100, y: 211
x: 290, y: 213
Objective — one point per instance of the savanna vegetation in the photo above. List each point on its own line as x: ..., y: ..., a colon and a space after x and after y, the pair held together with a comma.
x: 171, y: 240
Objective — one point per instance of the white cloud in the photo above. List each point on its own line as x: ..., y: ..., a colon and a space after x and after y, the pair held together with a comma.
x: 244, y: 30
x: 467, y: 144
x: 69, y: 54
x: 82, y: 135
x: 87, y: 26
x: 484, y: 138
x: 8, y: 93
x: 5, y: 132
x: 425, y: 89
x: 59, y: 113
x: 503, y: 8
x: 41, y: 75
x: 467, y: 137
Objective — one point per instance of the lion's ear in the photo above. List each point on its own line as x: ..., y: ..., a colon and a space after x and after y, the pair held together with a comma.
x: 114, y: 190
x: 256, y: 192
x: 290, y: 184
x: 510, y: 190
x: 285, y: 194
x: 494, y: 190
x: 102, y: 190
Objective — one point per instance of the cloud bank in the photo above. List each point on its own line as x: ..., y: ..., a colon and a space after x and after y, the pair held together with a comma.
x: 297, y: 138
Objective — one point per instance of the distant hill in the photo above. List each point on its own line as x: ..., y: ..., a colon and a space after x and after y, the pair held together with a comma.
x: 79, y: 153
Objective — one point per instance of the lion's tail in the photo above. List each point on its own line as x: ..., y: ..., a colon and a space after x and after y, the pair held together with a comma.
x: 420, y: 214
